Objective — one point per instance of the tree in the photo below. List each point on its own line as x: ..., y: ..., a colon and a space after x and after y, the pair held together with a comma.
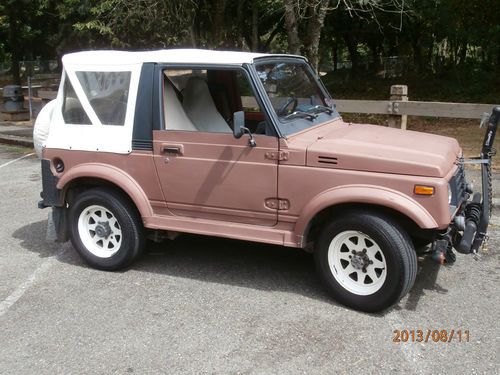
x: 16, y: 32
x: 304, y: 21
x: 311, y: 13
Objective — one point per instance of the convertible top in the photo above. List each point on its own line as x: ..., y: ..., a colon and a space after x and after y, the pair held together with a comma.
x: 175, y: 56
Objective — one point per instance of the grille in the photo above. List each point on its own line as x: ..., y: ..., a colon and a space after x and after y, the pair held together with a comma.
x: 142, y: 145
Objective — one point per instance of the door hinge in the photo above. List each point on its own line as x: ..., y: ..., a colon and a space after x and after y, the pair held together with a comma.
x: 276, y: 203
x: 277, y: 155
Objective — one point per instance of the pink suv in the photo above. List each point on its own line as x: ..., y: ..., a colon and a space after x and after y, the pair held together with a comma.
x: 142, y: 145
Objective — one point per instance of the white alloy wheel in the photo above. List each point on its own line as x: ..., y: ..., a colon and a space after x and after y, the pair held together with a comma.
x: 357, y: 262
x: 99, y: 231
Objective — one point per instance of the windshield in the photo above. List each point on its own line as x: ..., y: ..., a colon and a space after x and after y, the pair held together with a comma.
x: 296, y: 96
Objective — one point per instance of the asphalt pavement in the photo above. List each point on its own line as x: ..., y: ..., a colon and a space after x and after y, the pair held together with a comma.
x: 208, y: 305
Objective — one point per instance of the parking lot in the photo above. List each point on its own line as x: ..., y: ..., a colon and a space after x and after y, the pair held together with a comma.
x: 207, y: 305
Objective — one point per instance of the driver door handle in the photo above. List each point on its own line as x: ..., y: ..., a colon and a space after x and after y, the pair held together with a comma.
x: 172, y: 149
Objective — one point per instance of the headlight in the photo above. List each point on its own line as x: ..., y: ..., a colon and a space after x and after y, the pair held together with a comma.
x: 449, y: 194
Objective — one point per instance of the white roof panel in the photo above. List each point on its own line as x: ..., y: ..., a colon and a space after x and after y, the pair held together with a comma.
x: 180, y: 56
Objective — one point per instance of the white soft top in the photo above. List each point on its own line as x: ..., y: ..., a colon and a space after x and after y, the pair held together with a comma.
x: 175, y: 56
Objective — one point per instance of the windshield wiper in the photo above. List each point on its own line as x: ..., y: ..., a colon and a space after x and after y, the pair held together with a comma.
x: 301, y: 114
x: 322, y: 108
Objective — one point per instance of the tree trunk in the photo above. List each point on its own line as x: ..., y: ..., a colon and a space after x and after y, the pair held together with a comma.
x: 14, y: 43
x: 255, y: 26
x: 240, y: 15
x: 463, y: 53
x: 192, y: 36
x: 335, y: 54
x: 292, y: 26
x: 218, y: 22
x: 373, y: 46
x: 352, y: 47
x: 272, y: 35
x: 417, y: 53
x: 317, y: 13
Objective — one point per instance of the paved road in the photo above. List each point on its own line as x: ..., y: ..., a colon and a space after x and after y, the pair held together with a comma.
x: 205, y: 305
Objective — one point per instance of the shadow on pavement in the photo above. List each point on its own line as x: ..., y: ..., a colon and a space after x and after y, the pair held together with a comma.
x: 232, y: 262
x: 32, y: 238
x: 209, y: 259
x: 426, y: 281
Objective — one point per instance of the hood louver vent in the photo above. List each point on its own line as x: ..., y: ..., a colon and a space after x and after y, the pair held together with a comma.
x: 327, y: 160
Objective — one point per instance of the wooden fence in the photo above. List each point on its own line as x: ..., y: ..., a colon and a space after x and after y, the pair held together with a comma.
x: 398, y: 107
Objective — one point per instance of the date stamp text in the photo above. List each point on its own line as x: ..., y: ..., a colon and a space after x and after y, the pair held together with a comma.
x: 430, y: 335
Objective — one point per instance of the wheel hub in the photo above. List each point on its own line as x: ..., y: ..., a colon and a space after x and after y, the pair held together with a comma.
x: 103, y: 229
x: 360, y: 260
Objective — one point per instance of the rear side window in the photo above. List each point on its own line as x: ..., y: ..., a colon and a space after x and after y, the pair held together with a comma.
x: 73, y: 112
x: 107, y: 93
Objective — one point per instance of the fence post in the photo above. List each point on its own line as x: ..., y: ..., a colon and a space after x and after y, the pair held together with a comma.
x: 30, y: 102
x: 399, y: 93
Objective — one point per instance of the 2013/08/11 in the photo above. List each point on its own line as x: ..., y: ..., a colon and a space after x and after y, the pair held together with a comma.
x: 419, y: 335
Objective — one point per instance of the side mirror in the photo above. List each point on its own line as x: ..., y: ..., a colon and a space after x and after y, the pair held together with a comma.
x: 239, y: 128
x: 238, y: 124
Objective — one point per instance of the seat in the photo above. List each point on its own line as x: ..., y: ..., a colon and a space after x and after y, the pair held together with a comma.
x: 200, y: 107
x: 175, y: 116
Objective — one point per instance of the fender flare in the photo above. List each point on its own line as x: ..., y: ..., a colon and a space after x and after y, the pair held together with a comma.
x: 359, y: 194
x: 111, y: 174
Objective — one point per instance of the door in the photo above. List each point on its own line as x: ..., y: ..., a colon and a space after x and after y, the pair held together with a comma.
x: 215, y: 176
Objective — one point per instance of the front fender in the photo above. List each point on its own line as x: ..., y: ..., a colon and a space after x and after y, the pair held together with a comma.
x: 366, y: 194
x: 113, y: 175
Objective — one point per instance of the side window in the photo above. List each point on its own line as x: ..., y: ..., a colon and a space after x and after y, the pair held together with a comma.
x: 205, y: 100
x: 107, y: 93
x: 248, y: 100
x: 73, y: 112
x: 255, y: 119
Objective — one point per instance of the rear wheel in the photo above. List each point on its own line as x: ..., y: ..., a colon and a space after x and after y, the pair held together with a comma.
x: 366, y: 260
x: 105, y: 229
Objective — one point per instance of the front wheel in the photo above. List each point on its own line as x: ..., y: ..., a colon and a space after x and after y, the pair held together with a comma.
x: 105, y: 229
x: 366, y: 260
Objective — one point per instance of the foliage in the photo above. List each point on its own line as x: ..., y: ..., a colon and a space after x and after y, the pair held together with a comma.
x: 457, y: 39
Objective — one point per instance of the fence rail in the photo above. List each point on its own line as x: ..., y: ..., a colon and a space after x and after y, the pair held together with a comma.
x: 398, y: 107
x: 414, y: 108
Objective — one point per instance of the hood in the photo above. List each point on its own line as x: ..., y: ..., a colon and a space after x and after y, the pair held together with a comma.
x: 379, y: 149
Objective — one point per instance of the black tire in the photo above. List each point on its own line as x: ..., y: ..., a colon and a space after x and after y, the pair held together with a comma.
x: 132, y: 231
x: 396, y: 247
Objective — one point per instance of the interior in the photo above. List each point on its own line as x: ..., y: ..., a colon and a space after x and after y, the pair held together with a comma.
x: 206, y: 99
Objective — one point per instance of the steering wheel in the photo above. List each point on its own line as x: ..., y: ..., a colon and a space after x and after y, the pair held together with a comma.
x: 284, y: 110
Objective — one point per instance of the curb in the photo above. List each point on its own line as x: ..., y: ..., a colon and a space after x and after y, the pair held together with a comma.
x: 15, y: 140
